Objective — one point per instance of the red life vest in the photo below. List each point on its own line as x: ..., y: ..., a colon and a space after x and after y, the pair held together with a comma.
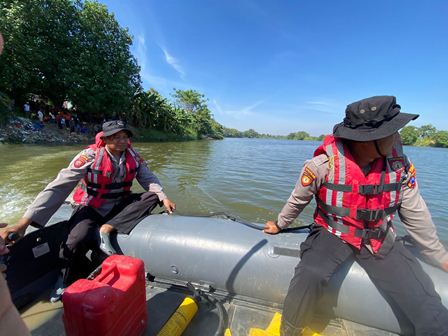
x: 358, y: 207
x: 97, y: 185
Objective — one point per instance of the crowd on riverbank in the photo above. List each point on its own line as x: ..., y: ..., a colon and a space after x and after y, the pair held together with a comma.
x: 29, y: 131
x: 21, y: 130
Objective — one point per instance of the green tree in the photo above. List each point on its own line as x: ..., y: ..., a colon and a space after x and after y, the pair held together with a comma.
x: 301, y: 135
x: 195, y: 104
x: 427, y: 131
x: 40, y: 47
x: 232, y: 133
x: 217, y: 130
x: 190, y: 100
x: 106, y: 75
x: 441, y: 139
x: 67, y: 49
x: 5, y: 108
x: 409, y: 135
x: 145, y: 108
x: 251, y: 133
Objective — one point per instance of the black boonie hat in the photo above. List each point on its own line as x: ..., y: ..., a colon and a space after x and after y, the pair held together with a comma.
x: 115, y: 126
x: 372, y: 119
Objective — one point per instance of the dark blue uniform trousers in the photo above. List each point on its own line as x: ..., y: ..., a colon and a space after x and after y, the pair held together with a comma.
x: 85, y: 221
x: 398, y: 276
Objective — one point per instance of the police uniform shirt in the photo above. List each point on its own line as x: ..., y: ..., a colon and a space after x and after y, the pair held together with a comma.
x: 50, y: 199
x: 413, y: 212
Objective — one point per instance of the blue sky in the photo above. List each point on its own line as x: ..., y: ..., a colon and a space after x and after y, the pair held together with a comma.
x: 286, y: 66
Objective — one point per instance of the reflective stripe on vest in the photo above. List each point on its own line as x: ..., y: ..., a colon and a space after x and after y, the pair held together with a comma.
x: 354, y: 206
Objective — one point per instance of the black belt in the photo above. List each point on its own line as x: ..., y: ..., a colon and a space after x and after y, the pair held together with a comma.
x: 364, y: 189
x: 116, y: 185
x: 108, y: 195
x: 365, y: 234
x: 364, y: 214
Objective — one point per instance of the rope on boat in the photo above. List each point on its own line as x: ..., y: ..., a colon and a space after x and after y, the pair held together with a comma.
x: 255, y: 226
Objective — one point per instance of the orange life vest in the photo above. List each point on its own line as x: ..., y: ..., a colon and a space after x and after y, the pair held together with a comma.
x: 97, y: 185
x: 356, y: 207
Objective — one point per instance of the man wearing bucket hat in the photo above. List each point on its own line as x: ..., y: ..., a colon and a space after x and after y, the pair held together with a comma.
x: 102, y: 174
x: 360, y: 178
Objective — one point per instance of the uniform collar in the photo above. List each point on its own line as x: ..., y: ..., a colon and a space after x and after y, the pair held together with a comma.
x: 122, y: 157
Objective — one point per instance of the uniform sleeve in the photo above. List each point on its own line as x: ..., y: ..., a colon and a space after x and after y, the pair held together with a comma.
x: 51, y: 198
x: 148, y: 180
x: 311, y: 178
x: 415, y: 216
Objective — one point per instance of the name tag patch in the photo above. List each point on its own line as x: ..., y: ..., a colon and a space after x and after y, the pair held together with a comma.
x: 40, y: 250
x: 396, y: 163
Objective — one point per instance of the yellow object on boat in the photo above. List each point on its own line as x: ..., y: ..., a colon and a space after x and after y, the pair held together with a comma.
x: 180, y: 319
x: 274, y: 328
x: 308, y: 332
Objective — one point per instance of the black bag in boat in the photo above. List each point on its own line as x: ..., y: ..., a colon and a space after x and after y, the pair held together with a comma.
x: 33, y: 263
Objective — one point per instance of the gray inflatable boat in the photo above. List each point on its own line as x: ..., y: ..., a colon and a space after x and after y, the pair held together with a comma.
x: 244, y: 268
x: 245, y: 263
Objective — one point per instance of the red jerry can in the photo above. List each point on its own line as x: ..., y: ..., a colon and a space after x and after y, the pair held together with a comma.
x: 114, y: 303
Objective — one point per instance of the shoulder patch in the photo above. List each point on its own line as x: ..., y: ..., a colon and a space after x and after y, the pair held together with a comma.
x: 307, y: 177
x: 82, y: 159
x: 412, y: 176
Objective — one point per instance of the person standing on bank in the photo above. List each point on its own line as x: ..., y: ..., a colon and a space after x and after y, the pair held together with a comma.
x: 105, y: 172
x: 360, y: 177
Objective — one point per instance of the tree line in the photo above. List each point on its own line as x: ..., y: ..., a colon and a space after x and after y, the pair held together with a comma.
x: 73, y: 50
x: 251, y: 133
x: 426, y: 135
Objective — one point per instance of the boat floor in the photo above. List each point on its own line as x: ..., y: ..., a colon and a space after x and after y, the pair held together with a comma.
x: 45, y: 319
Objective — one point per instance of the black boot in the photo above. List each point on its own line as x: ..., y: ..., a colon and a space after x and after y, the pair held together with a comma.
x: 287, y: 329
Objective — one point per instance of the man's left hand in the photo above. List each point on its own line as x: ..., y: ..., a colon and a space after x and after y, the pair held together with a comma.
x: 169, y: 205
x: 3, y: 248
x: 271, y: 227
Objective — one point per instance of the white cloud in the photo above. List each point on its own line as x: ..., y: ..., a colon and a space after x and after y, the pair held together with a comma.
x: 162, y: 84
x: 314, y: 116
x: 239, y: 112
x: 174, y: 63
x: 140, y: 51
x: 324, y: 106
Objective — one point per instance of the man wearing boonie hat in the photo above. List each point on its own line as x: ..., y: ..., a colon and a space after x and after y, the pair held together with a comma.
x: 102, y: 174
x: 360, y: 178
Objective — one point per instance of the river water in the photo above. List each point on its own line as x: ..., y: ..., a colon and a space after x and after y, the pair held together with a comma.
x: 248, y: 178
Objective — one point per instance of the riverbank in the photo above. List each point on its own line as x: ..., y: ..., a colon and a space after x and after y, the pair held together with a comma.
x: 21, y: 130
x: 25, y: 131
